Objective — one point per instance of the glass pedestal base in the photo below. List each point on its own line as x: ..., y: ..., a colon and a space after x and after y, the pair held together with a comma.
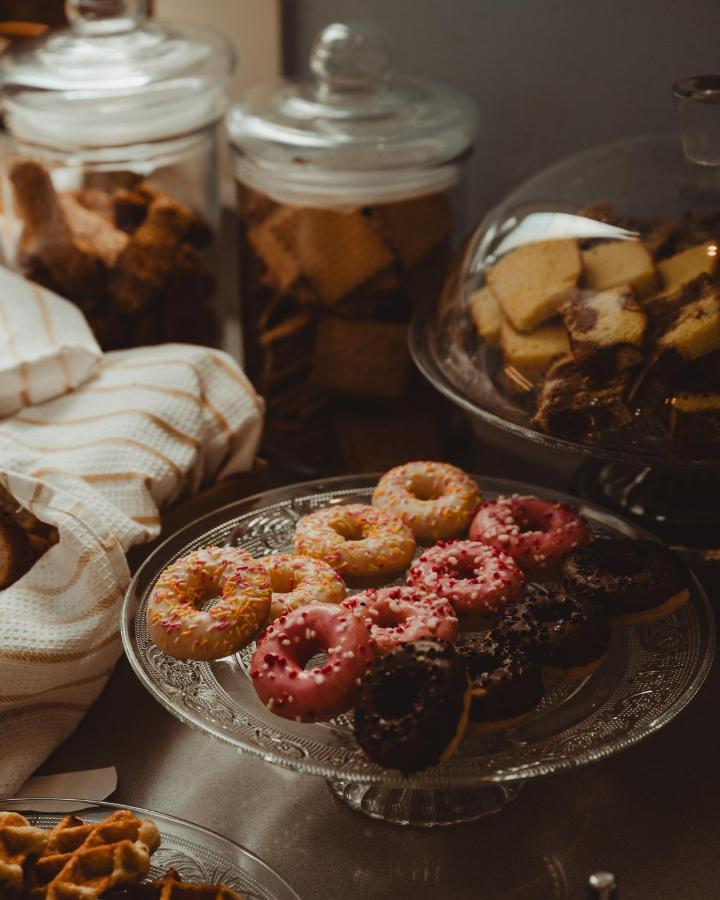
x: 681, y: 508
x: 424, y: 808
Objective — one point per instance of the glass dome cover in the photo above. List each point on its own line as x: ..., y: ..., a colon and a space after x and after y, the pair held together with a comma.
x: 114, y: 78
x: 354, y: 124
x: 640, y: 219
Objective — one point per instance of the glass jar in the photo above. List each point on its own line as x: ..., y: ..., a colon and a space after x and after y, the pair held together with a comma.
x: 347, y: 189
x: 109, y: 170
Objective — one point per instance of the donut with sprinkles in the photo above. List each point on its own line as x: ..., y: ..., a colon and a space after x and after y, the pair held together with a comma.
x: 538, y: 534
x: 478, y: 580
x: 279, y: 671
x: 435, y: 500
x: 178, y: 621
x: 299, y: 580
x: 398, y: 615
x: 358, y: 541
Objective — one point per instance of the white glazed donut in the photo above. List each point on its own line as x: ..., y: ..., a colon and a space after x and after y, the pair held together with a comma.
x: 435, y: 500
x: 299, y: 580
x: 358, y: 541
x: 178, y: 624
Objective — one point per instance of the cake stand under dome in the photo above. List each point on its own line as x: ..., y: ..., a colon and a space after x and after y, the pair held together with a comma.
x: 635, y: 471
x: 650, y: 674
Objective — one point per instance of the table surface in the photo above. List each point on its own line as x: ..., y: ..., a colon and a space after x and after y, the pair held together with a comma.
x: 649, y: 814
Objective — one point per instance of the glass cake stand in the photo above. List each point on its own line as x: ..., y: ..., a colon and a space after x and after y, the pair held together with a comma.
x: 651, y: 673
x: 635, y: 474
x: 195, y: 853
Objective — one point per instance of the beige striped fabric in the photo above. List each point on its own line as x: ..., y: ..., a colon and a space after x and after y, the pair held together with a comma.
x: 151, y: 426
x: 46, y: 346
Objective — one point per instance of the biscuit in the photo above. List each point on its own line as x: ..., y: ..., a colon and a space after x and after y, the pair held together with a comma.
x: 335, y: 250
x: 361, y: 358
x: 415, y: 227
x: 282, y: 268
x: 378, y: 440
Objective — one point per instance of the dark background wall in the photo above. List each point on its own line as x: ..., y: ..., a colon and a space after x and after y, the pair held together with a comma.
x: 549, y: 76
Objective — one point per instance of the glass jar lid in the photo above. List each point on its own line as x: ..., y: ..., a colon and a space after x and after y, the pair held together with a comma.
x: 114, y: 78
x: 353, y: 127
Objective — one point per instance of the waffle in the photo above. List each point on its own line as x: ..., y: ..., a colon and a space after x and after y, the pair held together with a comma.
x: 170, y: 887
x: 84, y: 860
x: 20, y: 842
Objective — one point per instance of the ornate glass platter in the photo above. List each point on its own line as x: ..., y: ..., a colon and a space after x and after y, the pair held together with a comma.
x: 650, y: 674
x: 195, y: 853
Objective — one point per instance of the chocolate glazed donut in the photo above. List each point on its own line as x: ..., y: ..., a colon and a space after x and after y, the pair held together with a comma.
x: 413, y: 706
x: 505, y: 682
x: 562, y: 632
x: 629, y: 581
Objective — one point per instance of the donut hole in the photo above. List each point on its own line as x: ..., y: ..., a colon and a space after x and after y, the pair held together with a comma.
x: 312, y: 655
x: 207, y: 597
x: 350, y: 531
x: 282, y: 582
x: 398, y: 694
x: 462, y: 569
x: 425, y: 488
x: 388, y: 618
x: 528, y: 524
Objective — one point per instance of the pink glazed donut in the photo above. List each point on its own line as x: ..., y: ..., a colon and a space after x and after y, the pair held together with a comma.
x: 475, y: 578
x: 396, y: 615
x: 278, y: 670
x: 537, y: 534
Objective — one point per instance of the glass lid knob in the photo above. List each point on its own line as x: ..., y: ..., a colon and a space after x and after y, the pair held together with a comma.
x: 97, y: 18
x: 349, y: 58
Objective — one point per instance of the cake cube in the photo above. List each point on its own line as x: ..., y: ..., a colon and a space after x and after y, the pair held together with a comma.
x: 695, y: 422
x: 535, y: 280
x: 609, y: 326
x: 615, y: 263
x: 573, y: 404
x: 686, y: 266
x: 486, y: 315
x: 696, y: 329
x: 528, y: 356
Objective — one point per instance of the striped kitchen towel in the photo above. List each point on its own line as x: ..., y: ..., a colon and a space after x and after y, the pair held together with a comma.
x: 99, y: 462
x: 46, y: 346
